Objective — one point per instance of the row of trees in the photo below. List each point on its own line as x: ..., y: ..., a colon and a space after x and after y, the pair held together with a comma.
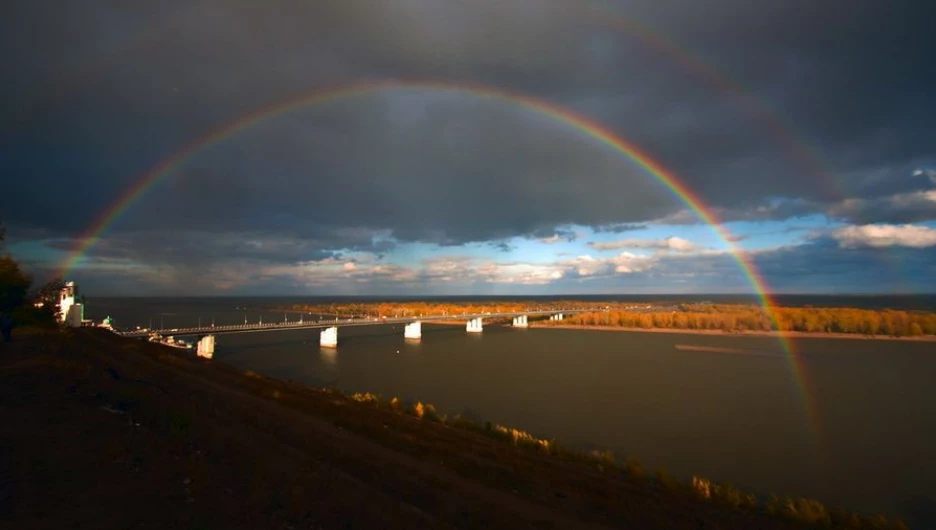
x: 724, y: 317
x: 415, y: 308
x: 733, y: 318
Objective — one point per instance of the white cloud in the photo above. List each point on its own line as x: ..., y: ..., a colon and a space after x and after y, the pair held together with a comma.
x: 623, y: 263
x: 626, y: 263
x: 672, y: 243
x: 911, y: 199
x: 882, y: 235
x: 922, y: 201
x: 585, y: 266
x: 520, y: 273
x: 930, y: 173
x: 460, y: 270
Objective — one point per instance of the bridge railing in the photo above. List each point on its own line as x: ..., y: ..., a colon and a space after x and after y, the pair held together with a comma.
x: 327, y: 322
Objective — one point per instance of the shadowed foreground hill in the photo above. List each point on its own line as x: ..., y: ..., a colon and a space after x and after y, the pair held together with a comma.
x: 101, y: 432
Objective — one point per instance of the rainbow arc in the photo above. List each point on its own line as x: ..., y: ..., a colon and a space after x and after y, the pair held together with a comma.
x: 567, y: 117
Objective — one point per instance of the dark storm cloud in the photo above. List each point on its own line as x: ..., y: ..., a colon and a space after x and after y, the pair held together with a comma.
x: 482, y: 171
x: 503, y: 246
x: 913, y: 200
x: 193, y: 248
x: 774, y: 211
x: 98, y: 93
x: 200, y: 262
x: 902, y: 208
x: 822, y: 265
x: 826, y: 266
x: 619, y: 228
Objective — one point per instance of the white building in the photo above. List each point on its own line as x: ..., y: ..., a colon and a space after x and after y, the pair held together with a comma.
x: 71, y: 309
x: 206, y: 346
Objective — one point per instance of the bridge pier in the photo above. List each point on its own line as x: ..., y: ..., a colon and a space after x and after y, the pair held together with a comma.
x: 206, y: 346
x: 474, y: 326
x: 520, y: 321
x: 557, y: 316
x: 413, y: 331
x: 329, y: 337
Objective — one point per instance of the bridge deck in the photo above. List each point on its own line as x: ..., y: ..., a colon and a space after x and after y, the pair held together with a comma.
x: 284, y: 326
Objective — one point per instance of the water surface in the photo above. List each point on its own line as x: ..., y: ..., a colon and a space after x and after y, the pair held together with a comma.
x: 673, y: 401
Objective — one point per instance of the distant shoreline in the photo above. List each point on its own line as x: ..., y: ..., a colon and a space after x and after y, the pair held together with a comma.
x: 720, y: 333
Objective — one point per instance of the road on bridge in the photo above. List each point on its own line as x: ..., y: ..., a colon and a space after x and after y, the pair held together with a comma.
x: 321, y: 324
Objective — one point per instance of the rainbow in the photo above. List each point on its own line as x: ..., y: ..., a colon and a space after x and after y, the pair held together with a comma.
x: 559, y: 114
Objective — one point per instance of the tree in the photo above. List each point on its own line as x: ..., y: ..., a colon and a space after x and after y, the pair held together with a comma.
x: 14, y: 284
x: 48, y: 295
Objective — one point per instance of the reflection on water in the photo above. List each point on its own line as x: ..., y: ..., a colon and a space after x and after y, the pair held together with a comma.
x: 329, y: 356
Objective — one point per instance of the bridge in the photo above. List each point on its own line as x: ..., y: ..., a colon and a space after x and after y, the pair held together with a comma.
x: 329, y: 333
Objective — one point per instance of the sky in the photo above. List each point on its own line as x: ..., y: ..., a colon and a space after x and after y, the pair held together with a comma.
x: 803, y: 130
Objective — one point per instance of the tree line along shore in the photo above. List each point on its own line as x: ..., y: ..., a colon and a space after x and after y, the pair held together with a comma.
x: 738, y: 318
x: 694, y: 317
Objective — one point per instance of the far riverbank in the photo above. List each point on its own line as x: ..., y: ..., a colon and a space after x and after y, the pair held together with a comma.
x: 777, y: 334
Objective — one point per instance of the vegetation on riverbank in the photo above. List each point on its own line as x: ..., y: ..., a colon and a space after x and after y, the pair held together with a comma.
x: 416, y: 308
x: 739, y: 318
x: 702, y: 317
x: 795, y: 509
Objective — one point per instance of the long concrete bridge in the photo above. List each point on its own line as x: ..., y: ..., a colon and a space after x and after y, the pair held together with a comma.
x: 329, y: 334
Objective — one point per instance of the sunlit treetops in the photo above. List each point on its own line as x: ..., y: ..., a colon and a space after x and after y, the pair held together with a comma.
x: 723, y: 317
x: 739, y: 318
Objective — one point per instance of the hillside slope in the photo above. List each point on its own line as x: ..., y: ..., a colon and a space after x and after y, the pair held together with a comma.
x: 102, y: 432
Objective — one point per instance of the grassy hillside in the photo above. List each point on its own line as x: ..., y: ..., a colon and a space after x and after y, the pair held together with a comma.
x: 103, y: 432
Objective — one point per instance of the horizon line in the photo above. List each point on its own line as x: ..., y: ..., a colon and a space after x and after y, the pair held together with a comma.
x: 553, y: 295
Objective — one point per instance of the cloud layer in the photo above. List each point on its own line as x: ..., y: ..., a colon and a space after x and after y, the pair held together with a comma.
x: 767, y: 114
x: 673, y: 243
x: 886, y: 236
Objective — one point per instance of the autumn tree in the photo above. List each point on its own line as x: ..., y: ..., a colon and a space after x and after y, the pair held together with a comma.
x: 754, y: 318
x: 48, y: 296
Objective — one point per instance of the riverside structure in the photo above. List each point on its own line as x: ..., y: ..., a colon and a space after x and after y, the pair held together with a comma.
x: 329, y: 335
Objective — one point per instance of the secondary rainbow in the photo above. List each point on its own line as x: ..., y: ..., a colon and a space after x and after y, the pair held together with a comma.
x: 608, y: 16
x: 562, y: 115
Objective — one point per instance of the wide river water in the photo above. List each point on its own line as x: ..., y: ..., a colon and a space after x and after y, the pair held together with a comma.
x: 854, y: 427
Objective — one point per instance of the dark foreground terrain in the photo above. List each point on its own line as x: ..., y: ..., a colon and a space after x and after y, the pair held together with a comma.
x: 101, y: 432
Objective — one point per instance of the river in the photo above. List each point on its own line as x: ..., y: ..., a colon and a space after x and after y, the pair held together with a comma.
x: 859, y: 433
